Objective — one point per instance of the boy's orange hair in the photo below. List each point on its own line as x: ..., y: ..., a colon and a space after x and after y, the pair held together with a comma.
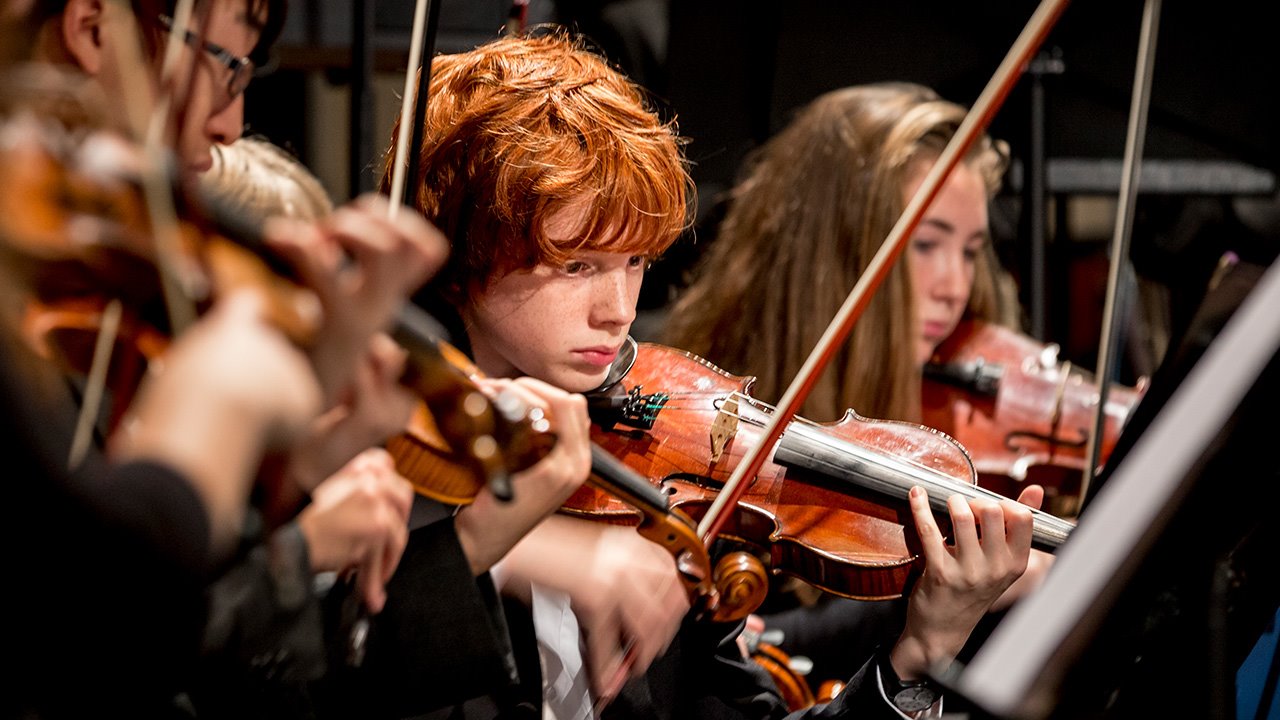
x: 521, y: 128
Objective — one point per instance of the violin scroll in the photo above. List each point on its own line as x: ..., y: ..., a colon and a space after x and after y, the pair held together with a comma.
x: 460, y: 440
x: 743, y: 584
x: 457, y: 426
x: 788, y: 672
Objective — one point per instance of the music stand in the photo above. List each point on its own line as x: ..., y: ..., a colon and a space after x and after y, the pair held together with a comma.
x: 1019, y: 671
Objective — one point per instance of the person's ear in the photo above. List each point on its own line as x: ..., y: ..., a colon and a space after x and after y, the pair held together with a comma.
x: 81, y: 32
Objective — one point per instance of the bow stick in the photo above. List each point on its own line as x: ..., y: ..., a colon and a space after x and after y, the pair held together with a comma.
x: 414, y: 328
x: 1133, y: 143
x: 413, y: 103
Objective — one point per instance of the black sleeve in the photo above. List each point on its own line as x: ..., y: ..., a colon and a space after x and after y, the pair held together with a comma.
x: 158, y: 508
x: 440, y: 639
x: 106, y: 572
x: 107, y: 592
x: 264, y: 639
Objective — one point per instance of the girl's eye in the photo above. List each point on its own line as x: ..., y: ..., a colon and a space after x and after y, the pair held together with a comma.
x: 639, y: 261
x: 922, y: 245
x: 573, y: 267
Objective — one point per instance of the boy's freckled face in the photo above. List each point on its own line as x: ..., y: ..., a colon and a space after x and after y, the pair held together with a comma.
x: 563, y: 325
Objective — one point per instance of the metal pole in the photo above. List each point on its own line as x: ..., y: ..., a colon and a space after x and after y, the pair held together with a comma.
x: 360, y: 138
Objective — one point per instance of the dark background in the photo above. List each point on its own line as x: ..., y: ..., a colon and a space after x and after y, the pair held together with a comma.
x: 732, y: 73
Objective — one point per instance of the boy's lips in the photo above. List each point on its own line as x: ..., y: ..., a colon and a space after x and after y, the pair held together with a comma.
x: 600, y: 355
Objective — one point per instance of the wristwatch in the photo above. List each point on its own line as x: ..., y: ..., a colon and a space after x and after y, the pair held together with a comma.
x: 907, y: 695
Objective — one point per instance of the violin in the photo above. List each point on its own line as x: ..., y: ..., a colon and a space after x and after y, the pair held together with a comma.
x: 1023, y: 415
x: 75, y: 228
x: 76, y: 232
x: 420, y: 453
x: 828, y: 506
x: 790, y: 675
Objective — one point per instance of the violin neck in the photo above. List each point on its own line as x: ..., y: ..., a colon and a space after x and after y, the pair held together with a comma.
x: 618, y: 479
x: 806, y: 448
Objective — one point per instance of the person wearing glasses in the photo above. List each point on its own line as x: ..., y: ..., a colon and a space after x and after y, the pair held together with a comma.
x: 361, y: 267
x: 207, y: 105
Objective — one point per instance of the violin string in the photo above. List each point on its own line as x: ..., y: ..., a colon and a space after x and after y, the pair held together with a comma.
x: 735, y: 395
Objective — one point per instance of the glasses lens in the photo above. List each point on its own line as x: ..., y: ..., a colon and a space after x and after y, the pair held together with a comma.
x: 241, y: 75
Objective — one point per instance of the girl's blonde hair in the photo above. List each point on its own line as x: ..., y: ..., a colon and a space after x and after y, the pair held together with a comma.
x: 258, y: 180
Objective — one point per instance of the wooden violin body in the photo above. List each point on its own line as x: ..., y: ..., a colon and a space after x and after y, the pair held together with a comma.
x: 1022, y: 415
x: 432, y: 464
x: 829, y: 505
x: 76, y: 235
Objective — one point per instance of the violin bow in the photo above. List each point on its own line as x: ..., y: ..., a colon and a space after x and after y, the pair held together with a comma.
x: 997, y: 89
x: 414, y: 328
x: 413, y: 104
x: 182, y: 14
x: 1135, y: 138
x: 146, y: 118
x: 517, y: 17
x: 361, y: 623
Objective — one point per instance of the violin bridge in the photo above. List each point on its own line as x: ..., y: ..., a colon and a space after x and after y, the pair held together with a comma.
x: 724, y: 427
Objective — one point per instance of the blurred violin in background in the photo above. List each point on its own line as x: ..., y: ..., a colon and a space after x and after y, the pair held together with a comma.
x: 77, y: 234
x: 1021, y: 413
x: 789, y: 673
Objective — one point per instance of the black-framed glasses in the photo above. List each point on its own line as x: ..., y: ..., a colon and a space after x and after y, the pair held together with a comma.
x: 241, y: 68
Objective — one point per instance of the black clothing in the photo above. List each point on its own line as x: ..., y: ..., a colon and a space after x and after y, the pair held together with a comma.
x: 701, y: 677
x: 440, y: 639
x: 837, y: 633
x: 264, y: 642
x: 106, y: 570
